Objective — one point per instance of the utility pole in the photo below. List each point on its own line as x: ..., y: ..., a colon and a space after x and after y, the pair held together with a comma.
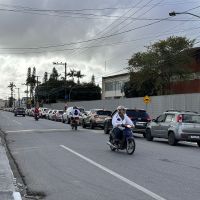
x: 18, y: 97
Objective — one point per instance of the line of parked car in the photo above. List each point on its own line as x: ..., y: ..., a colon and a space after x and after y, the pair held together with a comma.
x: 173, y: 125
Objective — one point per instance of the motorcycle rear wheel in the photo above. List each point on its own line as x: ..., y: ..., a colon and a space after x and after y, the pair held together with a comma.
x: 130, y: 146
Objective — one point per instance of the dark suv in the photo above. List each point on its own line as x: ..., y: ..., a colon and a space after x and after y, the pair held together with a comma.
x: 139, y: 117
x: 19, y: 111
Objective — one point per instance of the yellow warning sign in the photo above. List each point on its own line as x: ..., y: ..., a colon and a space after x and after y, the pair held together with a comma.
x: 147, y: 99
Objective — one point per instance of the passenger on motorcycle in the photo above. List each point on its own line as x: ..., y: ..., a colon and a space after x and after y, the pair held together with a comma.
x: 120, y: 120
x: 75, y: 114
x: 36, y: 112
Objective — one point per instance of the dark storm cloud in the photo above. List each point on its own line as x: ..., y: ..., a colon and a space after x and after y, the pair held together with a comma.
x: 20, y: 29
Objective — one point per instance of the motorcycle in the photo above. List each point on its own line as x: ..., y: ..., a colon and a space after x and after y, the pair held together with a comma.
x: 127, y: 142
x: 74, y: 122
x: 37, y: 117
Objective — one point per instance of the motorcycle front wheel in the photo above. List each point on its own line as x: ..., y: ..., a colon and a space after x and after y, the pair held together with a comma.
x: 130, y: 146
x: 112, y: 148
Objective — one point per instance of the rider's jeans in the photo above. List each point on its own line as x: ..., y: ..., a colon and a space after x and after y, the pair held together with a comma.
x: 119, y: 133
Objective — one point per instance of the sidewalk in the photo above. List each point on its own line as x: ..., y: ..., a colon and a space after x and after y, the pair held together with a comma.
x: 7, y: 187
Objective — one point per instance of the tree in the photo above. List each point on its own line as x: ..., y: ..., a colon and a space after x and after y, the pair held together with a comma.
x: 93, y: 79
x: 79, y: 76
x: 162, y: 61
x: 45, y: 78
x: 32, y: 82
x: 54, y: 75
x: 28, y: 79
x: 72, y: 73
x: 11, y: 86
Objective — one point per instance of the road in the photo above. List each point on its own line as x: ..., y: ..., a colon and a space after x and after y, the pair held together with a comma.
x: 66, y: 164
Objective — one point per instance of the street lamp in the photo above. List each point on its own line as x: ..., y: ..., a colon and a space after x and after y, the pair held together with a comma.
x: 173, y: 13
x: 61, y: 63
x: 26, y: 94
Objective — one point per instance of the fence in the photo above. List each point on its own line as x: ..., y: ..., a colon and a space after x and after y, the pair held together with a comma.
x: 157, y: 105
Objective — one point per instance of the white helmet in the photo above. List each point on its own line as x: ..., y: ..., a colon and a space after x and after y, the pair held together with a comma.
x: 121, y: 108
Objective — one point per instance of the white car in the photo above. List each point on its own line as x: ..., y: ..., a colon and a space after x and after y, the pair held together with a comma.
x: 44, y: 112
x: 52, y: 115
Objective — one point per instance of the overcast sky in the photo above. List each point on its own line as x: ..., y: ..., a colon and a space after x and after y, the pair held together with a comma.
x: 94, y: 36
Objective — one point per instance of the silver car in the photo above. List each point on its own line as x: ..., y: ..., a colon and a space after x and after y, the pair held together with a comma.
x: 175, y: 126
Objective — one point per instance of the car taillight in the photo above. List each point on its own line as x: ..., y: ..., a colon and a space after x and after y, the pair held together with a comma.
x: 179, y: 118
x: 148, y: 119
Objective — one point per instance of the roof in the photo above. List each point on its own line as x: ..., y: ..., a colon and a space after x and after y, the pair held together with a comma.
x: 116, y: 75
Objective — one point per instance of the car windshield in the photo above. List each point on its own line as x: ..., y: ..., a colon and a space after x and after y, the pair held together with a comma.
x: 137, y: 113
x: 191, y: 118
x: 60, y: 112
x: 20, y: 108
x: 104, y: 112
x: 81, y: 110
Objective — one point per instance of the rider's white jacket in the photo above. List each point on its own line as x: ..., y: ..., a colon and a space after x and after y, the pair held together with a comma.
x: 75, y: 113
x: 117, y: 120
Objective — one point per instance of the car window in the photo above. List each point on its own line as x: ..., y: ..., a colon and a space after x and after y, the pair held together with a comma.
x: 104, y: 112
x: 191, y: 118
x: 60, y: 112
x: 137, y: 114
x: 161, y: 118
x: 81, y: 110
x: 170, y: 118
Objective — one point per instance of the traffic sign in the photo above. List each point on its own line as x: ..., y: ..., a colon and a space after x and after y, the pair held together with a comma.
x: 147, y: 99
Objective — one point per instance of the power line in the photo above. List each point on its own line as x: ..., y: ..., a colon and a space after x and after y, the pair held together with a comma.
x: 124, y: 20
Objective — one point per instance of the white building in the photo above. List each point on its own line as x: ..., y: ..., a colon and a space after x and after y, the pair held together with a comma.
x: 112, y: 86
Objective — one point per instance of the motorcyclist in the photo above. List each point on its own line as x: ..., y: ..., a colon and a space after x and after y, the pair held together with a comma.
x: 75, y: 114
x: 120, y: 120
x: 36, y: 111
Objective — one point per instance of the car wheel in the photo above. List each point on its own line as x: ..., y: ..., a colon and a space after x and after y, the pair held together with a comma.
x: 91, y: 125
x: 148, y: 135
x: 144, y: 135
x: 198, y: 143
x: 171, y: 139
x: 106, y: 131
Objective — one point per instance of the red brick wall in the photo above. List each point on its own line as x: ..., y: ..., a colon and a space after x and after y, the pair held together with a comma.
x: 190, y: 86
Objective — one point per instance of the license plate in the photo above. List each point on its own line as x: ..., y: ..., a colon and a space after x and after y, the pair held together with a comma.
x: 138, y: 124
x: 194, y: 137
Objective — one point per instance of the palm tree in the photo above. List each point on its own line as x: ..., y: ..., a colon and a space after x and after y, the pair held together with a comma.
x: 79, y: 76
x: 72, y: 73
x: 11, y: 86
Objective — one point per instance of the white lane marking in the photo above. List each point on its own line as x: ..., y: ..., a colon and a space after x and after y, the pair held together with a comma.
x: 122, y: 178
x: 17, y: 122
x: 17, y: 196
x: 40, y: 130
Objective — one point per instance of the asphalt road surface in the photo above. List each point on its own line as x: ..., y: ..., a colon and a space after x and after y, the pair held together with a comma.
x: 78, y: 165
